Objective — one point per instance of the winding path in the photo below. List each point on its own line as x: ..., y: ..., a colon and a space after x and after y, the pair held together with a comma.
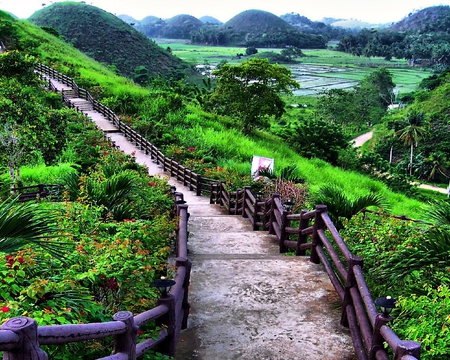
x: 360, y: 140
x: 247, y: 300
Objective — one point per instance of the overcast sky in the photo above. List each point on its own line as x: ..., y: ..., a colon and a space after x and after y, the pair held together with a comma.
x: 373, y: 11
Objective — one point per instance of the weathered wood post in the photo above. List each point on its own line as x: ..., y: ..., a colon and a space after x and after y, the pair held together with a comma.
x: 220, y: 193
x: 126, y: 342
x: 272, y: 213
x: 302, y: 238
x: 247, y: 189
x: 183, y: 261
x: 168, y: 321
x: 28, y: 346
x: 213, y: 193
x: 198, y: 185
x: 236, y: 201
x: 256, y: 217
x: 408, y: 348
x: 350, y: 282
x: 285, y: 222
x: 377, y: 338
x: 319, y: 224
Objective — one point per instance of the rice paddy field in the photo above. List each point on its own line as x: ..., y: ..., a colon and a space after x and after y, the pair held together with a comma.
x: 319, y: 70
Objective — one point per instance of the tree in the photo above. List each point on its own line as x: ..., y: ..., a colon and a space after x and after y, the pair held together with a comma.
x: 251, y: 50
x: 250, y: 92
x: 438, y: 165
x: 316, y: 138
x: 413, y: 131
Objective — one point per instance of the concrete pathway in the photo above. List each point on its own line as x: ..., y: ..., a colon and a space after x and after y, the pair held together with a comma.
x: 247, y: 300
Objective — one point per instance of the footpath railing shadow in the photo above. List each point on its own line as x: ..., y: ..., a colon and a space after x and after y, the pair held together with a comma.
x: 314, y: 232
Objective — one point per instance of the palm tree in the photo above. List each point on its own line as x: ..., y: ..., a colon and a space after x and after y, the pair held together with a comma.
x: 413, y: 131
x: 27, y: 223
x: 340, y: 205
x: 439, y: 163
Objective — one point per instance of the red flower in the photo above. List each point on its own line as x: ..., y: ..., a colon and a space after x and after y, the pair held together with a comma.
x: 5, y: 309
x: 191, y: 149
x: 140, y: 332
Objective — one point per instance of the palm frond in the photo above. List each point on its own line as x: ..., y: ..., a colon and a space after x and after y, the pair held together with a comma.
x: 28, y: 223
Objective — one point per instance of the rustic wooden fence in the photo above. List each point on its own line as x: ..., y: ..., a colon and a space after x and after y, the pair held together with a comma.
x: 314, y: 231
x: 368, y: 328
x: 20, y: 337
x: 52, y: 192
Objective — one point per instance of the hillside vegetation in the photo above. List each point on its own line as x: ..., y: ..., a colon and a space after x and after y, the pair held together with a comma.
x: 109, y: 40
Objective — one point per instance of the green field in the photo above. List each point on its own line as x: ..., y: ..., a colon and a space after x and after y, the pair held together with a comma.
x: 320, y: 70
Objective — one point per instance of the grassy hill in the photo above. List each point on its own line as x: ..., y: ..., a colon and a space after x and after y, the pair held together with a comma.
x: 435, y: 19
x: 109, y: 40
x: 180, y: 27
x: 264, y: 29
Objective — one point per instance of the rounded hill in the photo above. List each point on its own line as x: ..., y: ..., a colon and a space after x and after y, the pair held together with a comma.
x: 109, y: 40
x: 264, y: 29
x: 431, y: 19
x: 180, y: 27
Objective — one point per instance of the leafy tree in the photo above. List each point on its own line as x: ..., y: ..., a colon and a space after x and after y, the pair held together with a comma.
x: 316, y: 138
x: 251, y: 50
x: 413, y: 131
x: 438, y: 165
x: 250, y: 92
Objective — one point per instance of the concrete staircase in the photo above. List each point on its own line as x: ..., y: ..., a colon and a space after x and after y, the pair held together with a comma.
x: 250, y: 302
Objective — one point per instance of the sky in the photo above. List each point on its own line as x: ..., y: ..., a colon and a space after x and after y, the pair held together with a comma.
x: 372, y: 11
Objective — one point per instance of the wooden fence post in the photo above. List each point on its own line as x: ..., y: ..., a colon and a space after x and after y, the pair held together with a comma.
x: 183, y: 261
x: 318, y: 225
x: 168, y: 321
x: 272, y: 213
x: 284, y: 223
x: 244, y: 201
x: 126, y: 342
x: 349, y: 283
x: 303, y: 224
x: 198, y: 181
x: 408, y: 347
x: 377, y: 338
x: 28, y: 346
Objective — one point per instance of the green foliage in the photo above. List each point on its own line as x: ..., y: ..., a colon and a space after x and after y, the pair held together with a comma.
x: 408, y: 261
x: 251, y: 50
x: 339, y: 205
x: 316, y: 138
x: 28, y: 223
x: 250, y: 92
x: 424, y: 318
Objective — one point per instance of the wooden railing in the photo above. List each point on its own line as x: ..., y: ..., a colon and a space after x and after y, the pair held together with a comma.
x: 316, y: 232
x: 52, y: 192
x: 368, y: 328
x: 20, y: 337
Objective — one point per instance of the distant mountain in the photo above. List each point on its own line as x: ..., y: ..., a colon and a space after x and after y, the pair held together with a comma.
x: 110, y: 40
x: 180, y: 27
x: 150, y: 26
x: 210, y: 20
x: 264, y: 29
x: 128, y: 19
x: 431, y: 19
x: 304, y: 24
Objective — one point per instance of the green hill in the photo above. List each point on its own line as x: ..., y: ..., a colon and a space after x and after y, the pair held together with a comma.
x: 264, y: 29
x: 180, y: 27
x: 431, y: 19
x: 109, y: 40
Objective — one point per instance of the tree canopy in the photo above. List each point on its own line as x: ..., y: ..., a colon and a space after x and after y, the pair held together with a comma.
x: 250, y: 92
